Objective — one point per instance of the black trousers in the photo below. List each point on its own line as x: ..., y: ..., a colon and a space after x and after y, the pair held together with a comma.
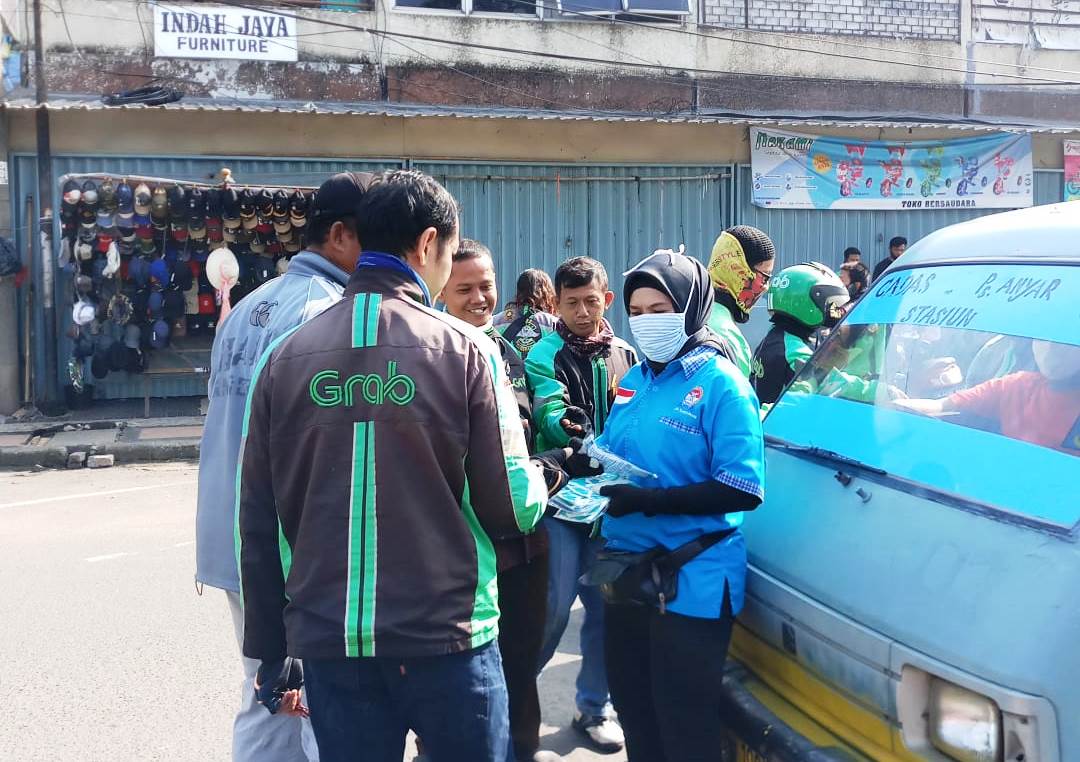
x: 523, y: 607
x: 665, y: 672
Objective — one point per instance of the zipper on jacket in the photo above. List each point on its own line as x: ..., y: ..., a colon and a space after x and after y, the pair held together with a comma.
x: 600, y: 395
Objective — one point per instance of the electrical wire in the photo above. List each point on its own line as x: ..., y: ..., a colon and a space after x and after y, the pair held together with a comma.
x: 489, y: 51
x: 378, y: 33
x: 558, y: 56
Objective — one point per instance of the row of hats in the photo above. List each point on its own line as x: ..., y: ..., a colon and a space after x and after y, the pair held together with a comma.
x: 162, y: 298
x: 96, y: 213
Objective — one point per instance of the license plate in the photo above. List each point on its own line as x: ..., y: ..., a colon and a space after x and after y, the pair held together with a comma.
x: 744, y: 753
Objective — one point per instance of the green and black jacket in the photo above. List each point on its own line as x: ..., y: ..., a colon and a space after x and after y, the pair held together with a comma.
x: 560, y: 378
x: 779, y: 356
x: 382, y: 456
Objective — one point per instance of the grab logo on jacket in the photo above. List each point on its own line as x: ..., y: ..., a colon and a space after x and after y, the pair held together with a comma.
x: 327, y: 388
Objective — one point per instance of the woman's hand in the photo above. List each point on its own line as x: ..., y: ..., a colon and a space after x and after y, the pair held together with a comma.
x: 626, y: 498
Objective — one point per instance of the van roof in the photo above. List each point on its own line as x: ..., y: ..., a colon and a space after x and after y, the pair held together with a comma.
x: 1040, y: 233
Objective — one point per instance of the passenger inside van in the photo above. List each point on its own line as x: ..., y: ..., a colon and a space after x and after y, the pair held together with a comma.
x: 1040, y: 406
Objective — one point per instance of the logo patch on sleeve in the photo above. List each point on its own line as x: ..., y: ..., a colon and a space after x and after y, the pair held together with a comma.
x: 622, y: 396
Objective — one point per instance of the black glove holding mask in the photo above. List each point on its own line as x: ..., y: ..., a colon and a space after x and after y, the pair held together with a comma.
x: 275, y: 678
x: 563, y: 464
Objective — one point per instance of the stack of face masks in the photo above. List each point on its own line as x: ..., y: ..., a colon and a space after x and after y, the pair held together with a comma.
x: 580, y: 501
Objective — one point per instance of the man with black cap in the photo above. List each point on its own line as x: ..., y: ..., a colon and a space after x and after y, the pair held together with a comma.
x: 315, y: 280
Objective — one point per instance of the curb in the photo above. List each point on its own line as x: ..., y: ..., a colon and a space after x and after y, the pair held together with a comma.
x: 29, y: 456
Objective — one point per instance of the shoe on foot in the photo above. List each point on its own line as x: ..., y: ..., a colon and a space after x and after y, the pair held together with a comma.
x: 542, y: 756
x: 603, y: 732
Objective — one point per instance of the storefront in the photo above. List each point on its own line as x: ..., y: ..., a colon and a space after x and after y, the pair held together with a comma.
x: 536, y: 190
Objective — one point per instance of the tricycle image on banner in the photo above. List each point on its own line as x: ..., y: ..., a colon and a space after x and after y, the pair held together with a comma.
x: 794, y: 171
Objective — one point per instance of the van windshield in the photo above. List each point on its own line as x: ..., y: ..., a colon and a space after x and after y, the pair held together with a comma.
x: 965, y: 378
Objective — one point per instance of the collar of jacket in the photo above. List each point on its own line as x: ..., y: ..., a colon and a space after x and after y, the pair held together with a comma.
x: 384, y: 273
x: 308, y: 264
x: 690, y: 363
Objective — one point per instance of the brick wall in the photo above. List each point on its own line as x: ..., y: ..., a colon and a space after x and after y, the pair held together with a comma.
x: 922, y: 19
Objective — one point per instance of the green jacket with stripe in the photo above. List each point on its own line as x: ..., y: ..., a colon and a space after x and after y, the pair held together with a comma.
x: 778, y: 358
x: 734, y: 345
x: 382, y: 456
x: 560, y: 378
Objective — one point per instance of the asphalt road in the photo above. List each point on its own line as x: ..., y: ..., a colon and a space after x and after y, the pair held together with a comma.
x: 107, y: 652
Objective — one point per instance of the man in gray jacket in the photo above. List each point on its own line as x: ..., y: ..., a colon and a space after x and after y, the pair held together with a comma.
x: 314, y: 281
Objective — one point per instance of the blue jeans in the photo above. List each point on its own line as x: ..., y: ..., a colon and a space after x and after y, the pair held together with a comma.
x: 363, y: 708
x: 572, y: 553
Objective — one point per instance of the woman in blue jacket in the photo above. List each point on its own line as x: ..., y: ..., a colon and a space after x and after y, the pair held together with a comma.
x: 688, y: 415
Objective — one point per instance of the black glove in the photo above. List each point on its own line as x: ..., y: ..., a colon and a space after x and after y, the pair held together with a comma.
x: 575, y: 417
x: 626, y: 498
x: 579, y: 464
x: 553, y: 463
x: 276, y: 677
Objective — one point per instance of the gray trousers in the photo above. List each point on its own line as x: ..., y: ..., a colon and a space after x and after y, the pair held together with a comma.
x: 259, y: 736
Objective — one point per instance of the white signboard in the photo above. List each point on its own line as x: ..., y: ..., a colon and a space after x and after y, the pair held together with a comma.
x: 207, y: 31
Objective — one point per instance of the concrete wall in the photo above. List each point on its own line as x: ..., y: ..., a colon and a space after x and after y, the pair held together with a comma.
x: 913, y: 19
x: 1048, y: 24
x: 307, y: 135
x: 107, y: 45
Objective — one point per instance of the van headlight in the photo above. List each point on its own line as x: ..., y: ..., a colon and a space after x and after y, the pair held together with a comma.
x: 963, y: 724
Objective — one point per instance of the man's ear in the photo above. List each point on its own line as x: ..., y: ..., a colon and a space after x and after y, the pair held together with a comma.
x: 336, y: 235
x: 427, y: 246
x: 609, y: 297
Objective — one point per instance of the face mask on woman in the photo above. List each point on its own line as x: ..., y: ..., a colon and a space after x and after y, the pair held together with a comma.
x: 660, y: 336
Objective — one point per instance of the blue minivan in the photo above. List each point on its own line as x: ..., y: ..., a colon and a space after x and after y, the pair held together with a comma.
x: 914, y: 583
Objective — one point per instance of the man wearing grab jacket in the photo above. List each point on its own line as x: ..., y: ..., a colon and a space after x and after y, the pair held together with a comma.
x: 383, y: 455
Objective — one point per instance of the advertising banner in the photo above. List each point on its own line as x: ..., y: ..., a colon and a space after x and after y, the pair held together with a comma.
x: 1072, y: 170
x: 207, y: 31
x: 792, y: 171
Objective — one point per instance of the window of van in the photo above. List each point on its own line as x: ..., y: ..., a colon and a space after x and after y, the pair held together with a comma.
x: 963, y: 378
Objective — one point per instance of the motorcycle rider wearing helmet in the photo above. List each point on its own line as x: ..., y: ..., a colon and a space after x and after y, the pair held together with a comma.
x: 802, y: 299
x: 740, y: 266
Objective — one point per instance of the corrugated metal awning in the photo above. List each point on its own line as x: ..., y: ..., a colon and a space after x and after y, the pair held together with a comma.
x: 93, y: 103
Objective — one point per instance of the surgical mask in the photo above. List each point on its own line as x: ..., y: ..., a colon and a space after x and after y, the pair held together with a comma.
x: 1057, y: 362
x: 660, y: 336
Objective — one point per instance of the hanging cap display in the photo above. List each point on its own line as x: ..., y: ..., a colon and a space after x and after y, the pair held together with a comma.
x: 83, y: 312
x: 89, y: 196
x: 107, y: 194
x: 125, y: 198
x: 298, y: 209
x: 142, y: 199
x: 159, y: 334
x: 72, y: 194
x: 120, y: 309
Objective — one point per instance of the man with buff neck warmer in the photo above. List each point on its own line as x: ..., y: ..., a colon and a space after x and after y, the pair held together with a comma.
x: 740, y: 267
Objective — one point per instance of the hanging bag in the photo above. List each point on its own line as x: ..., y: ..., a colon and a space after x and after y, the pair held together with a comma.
x: 648, y: 578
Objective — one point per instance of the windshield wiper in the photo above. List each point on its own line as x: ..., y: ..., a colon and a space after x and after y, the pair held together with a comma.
x: 823, y: 454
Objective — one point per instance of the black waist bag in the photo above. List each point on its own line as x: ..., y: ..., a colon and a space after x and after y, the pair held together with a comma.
x: 648, y: 578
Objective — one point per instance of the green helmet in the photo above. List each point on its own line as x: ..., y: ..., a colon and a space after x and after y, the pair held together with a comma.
x: 810, y: 293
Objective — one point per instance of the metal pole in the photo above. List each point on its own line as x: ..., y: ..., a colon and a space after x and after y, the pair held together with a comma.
x: 29, y: 395
x: 45, y: 193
